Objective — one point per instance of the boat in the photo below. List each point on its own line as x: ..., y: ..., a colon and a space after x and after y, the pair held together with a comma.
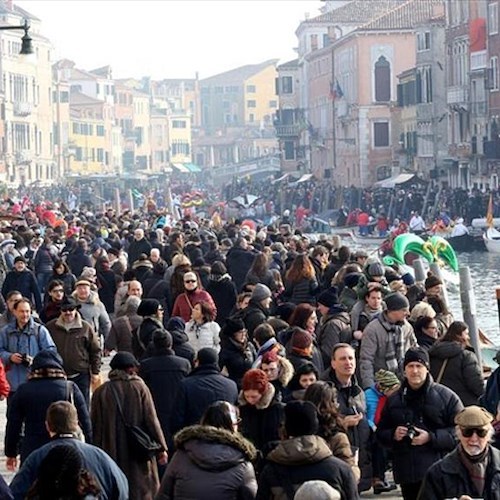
x: 367, y: 240
x: 492, y: 240
x: 489, y: 352
x: 467, y: 243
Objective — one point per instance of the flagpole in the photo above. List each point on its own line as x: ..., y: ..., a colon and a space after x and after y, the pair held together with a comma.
x: 334, y: 134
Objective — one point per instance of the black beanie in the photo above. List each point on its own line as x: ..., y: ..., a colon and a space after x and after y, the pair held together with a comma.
x: 375, y: 269
x: 396, y: 302
x: 48, y: 358
x: 232, y: 326
x: 148, y: 307
x: 301, y: 419
x: 329, y: 297
x: 417, y: 355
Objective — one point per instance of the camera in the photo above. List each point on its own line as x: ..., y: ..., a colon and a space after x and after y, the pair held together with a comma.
x: 412, y: 432
x: 26, y: 360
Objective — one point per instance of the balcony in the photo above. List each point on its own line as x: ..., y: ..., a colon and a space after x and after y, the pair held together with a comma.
x: 23, y: 156
x: 22, y: 108
x: 459, y: 94
x: 288, y: 130
x: 478, y: 60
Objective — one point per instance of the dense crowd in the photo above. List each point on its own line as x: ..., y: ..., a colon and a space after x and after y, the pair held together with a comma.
x: 246, y: 362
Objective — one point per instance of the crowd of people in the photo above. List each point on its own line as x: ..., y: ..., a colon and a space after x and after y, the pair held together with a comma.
x: 246, y: 362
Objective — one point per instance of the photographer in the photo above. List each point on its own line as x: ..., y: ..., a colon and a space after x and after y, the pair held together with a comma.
x: 417, y: 423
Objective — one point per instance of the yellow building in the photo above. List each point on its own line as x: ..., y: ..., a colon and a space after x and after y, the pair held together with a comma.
x: 179, y: 138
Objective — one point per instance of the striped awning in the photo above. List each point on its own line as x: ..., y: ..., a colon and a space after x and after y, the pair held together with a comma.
x: 181, y: 167
x: 193, y: 168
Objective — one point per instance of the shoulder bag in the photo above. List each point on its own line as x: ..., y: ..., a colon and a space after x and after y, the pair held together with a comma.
x: 441, y: 371
x: 142, y: 446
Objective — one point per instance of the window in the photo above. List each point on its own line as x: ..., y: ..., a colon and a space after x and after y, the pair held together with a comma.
x: 423, y: 41
x: 289, y: 150
x: 251, y: 117
x: 100, y: 130
x: 286, y: 85
x: 273, y: 104
x: 178, y: 124
x: 493, y: 18
x: 219, y: 90
x: 100, y: 155
x: 382, y: 80
x: 424, y: 84
x: 251, y: 89
x: 493, y: 80
x: 251, y: 104
x: 381, y: 134
x: 180, y: 148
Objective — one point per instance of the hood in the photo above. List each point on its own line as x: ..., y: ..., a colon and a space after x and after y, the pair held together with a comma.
x: 338, y: 311
x: 446, y: 349
x: 213, y: 448
x: 300, y: 451
x: 216, y: 278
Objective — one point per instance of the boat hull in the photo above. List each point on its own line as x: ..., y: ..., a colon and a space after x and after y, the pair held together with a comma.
x: 492, y: 240
x: 466, y: 243
x: 367, y: 240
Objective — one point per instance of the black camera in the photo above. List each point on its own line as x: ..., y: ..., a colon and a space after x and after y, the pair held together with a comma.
x: 26, y: 360
x: 412, y: 432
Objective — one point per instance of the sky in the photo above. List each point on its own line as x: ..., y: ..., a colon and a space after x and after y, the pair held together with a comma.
x: 171, y: 38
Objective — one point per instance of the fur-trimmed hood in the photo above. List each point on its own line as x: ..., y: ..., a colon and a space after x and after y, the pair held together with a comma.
x: 286, y: 370
x: 303, y: 450
x: 214, y: 449
x: 264, y: 402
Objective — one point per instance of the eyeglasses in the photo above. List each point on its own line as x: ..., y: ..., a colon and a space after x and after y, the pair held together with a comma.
x: 468, y: 431
x: 189, y: 281
x: 57, y: 290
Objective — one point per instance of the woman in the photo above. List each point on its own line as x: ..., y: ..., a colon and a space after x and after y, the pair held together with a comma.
x: 202, y: 330
x: 426, y: 331
x: 300, y: 281
x: 454, y: 364
x: 61, y: 271
x: 261, y: 415
x: 304, y: 376
x: 237, y: 353
x: 444, y: 317
x: 152, y: 313
x: 211, y: 457
x: 323, y: 396
x: 223, y: 290
x: 259, y: 272
x: 191, y: 295
x: 106, y: 283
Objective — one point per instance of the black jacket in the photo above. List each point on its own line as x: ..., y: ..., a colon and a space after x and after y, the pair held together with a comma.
x: 77, y: 260
x: 236, y: 358
x: 433, y: 408
x: 202, y: 387
x: 223, y: 291
x: 238, y: 262
x: 253, y: 316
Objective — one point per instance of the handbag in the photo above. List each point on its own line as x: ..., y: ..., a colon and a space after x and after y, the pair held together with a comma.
x: 142, y: 446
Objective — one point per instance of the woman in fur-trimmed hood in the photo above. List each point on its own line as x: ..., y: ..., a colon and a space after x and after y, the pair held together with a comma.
x: 211, y: 457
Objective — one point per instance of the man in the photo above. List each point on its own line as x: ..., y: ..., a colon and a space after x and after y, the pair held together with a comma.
x: 62, y: 426
x: 365, y: 310
x: 257, y: 311
x: 351, y: 406
x: 122, y: 327
x: 303, y: 456
x: 22, y: 280
x: 92, y: 309
x: 8, y: 315
x: 239, y: 260
x: 473, y: 468
x: 202, y: 387
x: 132, y: 288
x: 78, y: 345
x: 417, y: 423
x: 459, y: 229
x: 360, y: 257
x: 139, y: 245
x: 79, y: 258
x: 417, y: 224
x: 386, y: 339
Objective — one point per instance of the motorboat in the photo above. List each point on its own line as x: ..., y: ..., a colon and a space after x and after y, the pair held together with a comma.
x: 367, y: 240
x: 492, y: 240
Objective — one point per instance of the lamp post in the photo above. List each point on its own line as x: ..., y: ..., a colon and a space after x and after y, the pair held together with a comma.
x: 26, y: 45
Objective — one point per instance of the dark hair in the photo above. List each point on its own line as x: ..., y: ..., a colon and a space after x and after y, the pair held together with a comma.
x: 454, y: 332
x: 300, y: 269
x: 218, y: 415
x: 59, y: 263
x: 423, y: 322
x: 62, y: 418
x: 300, y: 315
x: 207, y: 311
x: 23, y: 300
x: 438, y: 304
x: 260, y: 265
x: 52, y: 284
x: 340, y: 345
x: 263, y: 333
x: 324, y: 397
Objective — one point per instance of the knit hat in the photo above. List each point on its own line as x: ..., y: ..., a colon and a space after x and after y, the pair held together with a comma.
x: 396, y: 302
x: 301, y: 339
x: 417, y: 355
x: 329, y: 297
x: 301, y: 419
x: 162, y: 338
x: 232, y: 326
x: 285, y: 310
x: 386, y: 379
x: 360, y: 254
x: 47, y: 359
x: 318, y: 489
x: 432, y: 281
x: 351, y: 279
x: 261, y: 292
x: 176, y: 323
x: 148, y: 307
x: 255, y: 380
x: 408, y: 279
x: 473, y: 416
x: 375, y: 269
x: 19, y: 258
x: 123, y: 360
x: 207, y: 356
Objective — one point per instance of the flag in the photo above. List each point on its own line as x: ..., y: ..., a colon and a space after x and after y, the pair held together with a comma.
x: 489, y: 214
x: 335, y: 90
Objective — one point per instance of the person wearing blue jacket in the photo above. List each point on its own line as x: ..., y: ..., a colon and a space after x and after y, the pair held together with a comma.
x: 20, y: 341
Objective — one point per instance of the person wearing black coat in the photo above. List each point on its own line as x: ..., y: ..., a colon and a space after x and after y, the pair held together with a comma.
x: 162, y: 372
x: 181, y: 346
x: 152, y: 312
x: 257, y: 311
x: 239, y: 259
x: 78, y: 258
x: 223, y: 290
x: 139, y: 245
x: 107, y: 286
x: 47, y: 383
x: 202, y: 387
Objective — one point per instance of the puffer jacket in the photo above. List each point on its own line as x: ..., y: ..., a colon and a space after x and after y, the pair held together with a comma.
x: 301, y: 292
x: 432, y: 408
x: 334, y: 328
x: 210, y: 462
x: 462, y: 373
x: 203, y: 335
x: 93, y: 311
x: 301, y: 459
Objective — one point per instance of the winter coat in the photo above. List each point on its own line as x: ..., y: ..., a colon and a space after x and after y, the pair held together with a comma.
x: 148, y: 326
x: 136, y: 248
x: 210, y: 462
x: 160, y: 291
x: 113, y: 482
x: 44, y: 260
x: 253, y: 316
x: 449, y: 478
x: 335, y: 327
x: 301, y: 292
x: 110, y: 432
x: 260, y: 423
x: 163, y: 372
x: 120, y: 335
x: 236, y: 358
x: 239, y: 262
x: 301, y: 459
x: 77, y: 260
x: 181, y: 345
x: 28, y: 407
x: 432, y: 408
x: 107, y: 289
x: 24, y: 282
x: 185, y: 302
x: 202, y: 335
x: 285, y: 338
x: 94, y: 312
x: 285, y: 374
x: 462, y: 373
x: 223, y: 291
x: 267, y: 279
x: 51, y: 310
x: 202, y: 387
x: 79, y: 346
x: 374, y: 346
x: 31, y: 340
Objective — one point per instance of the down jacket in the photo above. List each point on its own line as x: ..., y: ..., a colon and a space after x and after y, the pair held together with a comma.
x: 333, y: 329
x: 210, y: 462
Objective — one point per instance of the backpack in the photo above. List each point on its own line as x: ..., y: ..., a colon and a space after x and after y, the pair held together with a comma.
x: 491, y: 396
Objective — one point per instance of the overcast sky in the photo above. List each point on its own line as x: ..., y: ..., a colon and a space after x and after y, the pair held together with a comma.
x: 171, y: 38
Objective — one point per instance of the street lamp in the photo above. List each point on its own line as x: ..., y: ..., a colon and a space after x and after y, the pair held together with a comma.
x: 26, y: 46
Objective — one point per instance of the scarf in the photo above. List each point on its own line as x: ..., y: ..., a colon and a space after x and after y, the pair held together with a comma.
x: 47, y: 373
x: 476, y: 466
x: 394, y: 352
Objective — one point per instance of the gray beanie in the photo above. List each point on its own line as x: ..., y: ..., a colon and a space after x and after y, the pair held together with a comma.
x: 396, y: 302
x: 261, y: 292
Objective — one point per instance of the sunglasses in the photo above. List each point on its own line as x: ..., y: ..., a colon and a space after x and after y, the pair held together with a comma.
x: 190, y: 281
x: 468, y: 431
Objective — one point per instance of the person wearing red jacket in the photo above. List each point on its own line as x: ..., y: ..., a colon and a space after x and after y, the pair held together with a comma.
x: 4, y: 383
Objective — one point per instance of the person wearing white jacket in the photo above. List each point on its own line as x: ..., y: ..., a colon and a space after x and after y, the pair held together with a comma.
x: 202, y: 330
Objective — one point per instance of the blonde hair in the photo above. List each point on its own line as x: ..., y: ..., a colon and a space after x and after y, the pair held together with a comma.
x: 180, y: 260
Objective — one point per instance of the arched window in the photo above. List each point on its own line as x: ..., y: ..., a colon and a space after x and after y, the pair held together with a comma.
x: 382, y: 80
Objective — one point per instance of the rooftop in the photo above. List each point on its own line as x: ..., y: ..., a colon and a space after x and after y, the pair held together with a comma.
x: 240, y: 74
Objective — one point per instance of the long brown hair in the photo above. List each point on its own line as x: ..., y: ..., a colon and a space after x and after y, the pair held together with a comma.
x: 300, y: 269
x: 324, y: 397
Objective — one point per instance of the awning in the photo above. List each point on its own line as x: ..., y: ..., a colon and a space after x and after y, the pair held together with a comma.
x: 397, y: 180
x: 181, y: 167
x: 305, y: 178
x: 193, y: 168
x: 279, y: 179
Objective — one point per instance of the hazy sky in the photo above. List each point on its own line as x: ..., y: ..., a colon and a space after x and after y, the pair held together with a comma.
x: 171, y: 38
